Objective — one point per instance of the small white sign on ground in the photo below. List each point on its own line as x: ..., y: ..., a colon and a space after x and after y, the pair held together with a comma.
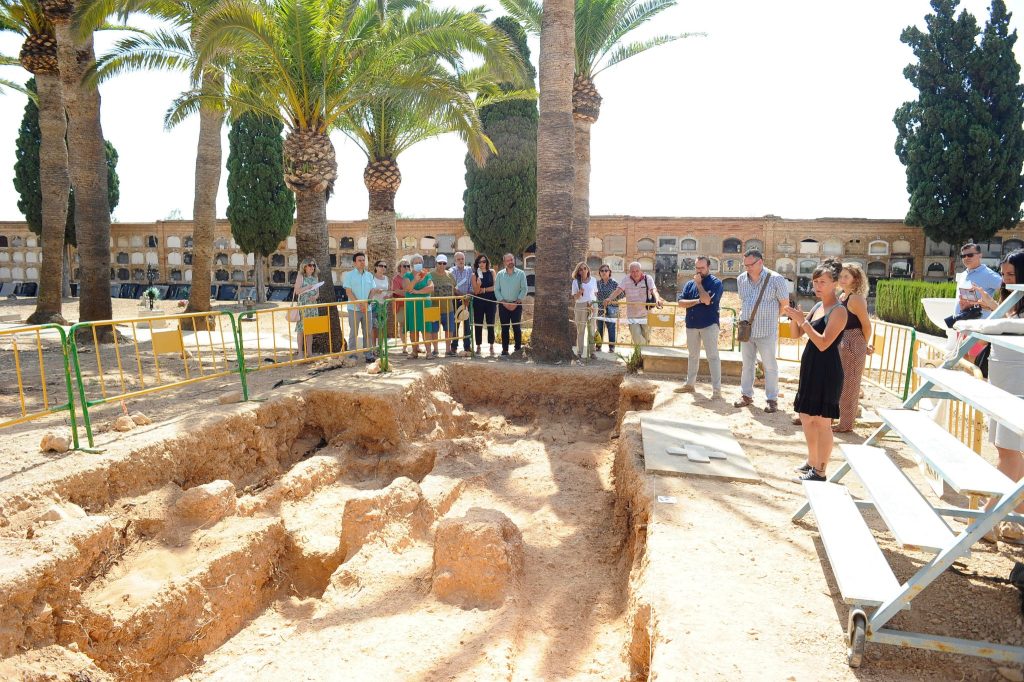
x: 716, y: 443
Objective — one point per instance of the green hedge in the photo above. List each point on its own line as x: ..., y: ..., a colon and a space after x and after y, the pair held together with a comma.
x: 899, y: 301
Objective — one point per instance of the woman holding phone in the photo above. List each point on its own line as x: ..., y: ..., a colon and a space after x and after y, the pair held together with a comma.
x: 1006, y: 371
x: 821, y: 369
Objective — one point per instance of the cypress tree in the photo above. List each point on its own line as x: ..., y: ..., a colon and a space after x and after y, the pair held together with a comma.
x: 26, y: 174
x: 261, y: 208
x: 961, y: 139
x: 500, y: 200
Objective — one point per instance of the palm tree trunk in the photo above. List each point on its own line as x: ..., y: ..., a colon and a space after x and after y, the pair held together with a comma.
x: 381, y: 228
x: 553, y: 334
x: 204, y: 206
x: 54, y: 183
x: 311, y: 241
x: 88, y: 165
x: 580, y: 235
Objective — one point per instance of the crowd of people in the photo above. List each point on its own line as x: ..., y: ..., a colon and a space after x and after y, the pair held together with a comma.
x: 422, y: 303
x: 426, y: 309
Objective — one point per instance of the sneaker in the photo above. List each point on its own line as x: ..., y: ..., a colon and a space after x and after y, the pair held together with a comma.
x: 744, y: 401
x: 772, y: 406
x: 686, y: 388
x: 504, y: 352
x: 716, y: 395
x: 803, y: 468
x: 811, y: 475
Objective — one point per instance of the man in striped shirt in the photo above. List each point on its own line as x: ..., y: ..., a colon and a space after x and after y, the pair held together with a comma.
x: 764, y: 330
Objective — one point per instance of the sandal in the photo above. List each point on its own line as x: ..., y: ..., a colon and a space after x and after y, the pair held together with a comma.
x: 795, y: 421
x: 744, y: 401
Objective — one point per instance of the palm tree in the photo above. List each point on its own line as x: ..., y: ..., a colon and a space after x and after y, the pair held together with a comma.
x: 305, y: 62
x: 552, y: 333
x: 386, y: 125
x: 87, y: 159
x: 601, y: 25
x: 39, y: 56
x: 170, y: 50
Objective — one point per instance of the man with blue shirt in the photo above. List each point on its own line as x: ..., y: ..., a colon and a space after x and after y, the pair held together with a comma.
x: 702, y: 298
x: 510, y: 291
x: 357, y: 283
x: 975, y: 272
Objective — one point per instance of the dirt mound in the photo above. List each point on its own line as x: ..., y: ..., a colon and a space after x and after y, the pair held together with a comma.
x: 478, y: 559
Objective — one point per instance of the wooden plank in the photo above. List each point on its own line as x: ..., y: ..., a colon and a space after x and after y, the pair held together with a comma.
x: 1004, y: 407
x: 911, y: 519
x: 960, y: 466
x: 863, y: 574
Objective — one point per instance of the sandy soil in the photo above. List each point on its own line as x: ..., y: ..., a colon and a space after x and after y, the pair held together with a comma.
x: 734, y: 589
x: 567, y: 621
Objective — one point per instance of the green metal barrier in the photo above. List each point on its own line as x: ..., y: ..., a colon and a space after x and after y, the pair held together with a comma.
x: 32, y: 407
x: 203, y: 355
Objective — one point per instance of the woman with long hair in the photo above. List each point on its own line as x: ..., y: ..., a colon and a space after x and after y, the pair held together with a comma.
x: 855, y: 341
x: 1006, y: 371
x: 305, y: 292
x: 821, y: 370
x: 484, y: 303
x: 584, y: 293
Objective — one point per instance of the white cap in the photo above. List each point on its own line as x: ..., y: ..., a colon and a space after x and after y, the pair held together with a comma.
x: 442, y: 258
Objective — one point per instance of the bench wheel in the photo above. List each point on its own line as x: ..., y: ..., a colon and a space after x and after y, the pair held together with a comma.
x: 856, y: 638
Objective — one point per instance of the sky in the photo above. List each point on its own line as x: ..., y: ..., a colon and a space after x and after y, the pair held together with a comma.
x: 784, y: 108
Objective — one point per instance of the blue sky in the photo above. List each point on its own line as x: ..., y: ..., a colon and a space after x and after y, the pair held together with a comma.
x: 785, y: 108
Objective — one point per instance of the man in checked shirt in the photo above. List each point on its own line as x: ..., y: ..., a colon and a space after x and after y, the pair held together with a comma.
x: 764, y: 332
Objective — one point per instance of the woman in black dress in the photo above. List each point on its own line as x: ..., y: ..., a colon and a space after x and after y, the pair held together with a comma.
x: 484, y: 304
x: 821, y: 369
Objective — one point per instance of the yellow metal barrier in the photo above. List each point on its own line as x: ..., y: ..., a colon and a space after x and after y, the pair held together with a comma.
x: 151, y: 354
x: 890, y: 365
x: 666, y: 326
x: 415, y: 321
x: 963, y: 421
x: 31, y: 353
x: 294, y: 335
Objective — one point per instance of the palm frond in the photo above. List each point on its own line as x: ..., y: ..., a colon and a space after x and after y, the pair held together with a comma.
x: 161, y: 49
x: 527, y: 12
x: 624, y: 52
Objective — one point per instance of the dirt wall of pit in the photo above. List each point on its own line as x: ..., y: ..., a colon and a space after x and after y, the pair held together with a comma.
x: 55, y: 593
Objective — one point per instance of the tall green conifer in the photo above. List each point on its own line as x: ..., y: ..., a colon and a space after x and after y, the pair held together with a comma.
x: 261, y: 208
x: 500, y: 200
x: 961, y: 139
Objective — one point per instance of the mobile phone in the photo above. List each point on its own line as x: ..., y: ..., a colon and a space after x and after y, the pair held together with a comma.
x: 970, y: 294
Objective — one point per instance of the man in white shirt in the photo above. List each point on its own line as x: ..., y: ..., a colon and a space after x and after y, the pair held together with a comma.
x: 358, y: 283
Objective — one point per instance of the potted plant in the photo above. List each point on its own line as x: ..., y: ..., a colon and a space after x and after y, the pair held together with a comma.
x: 150, y: 296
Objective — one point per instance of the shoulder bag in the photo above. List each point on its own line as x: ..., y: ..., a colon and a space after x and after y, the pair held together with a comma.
x: 651, y: 300
x: 743, y: 329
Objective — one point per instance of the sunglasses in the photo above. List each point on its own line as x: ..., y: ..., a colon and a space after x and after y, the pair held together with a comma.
x: 405, y: 265
x: 971, y: 254
x: 380, y: 265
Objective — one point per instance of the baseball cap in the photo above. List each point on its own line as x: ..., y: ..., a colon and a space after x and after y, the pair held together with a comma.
x: 442, y: 258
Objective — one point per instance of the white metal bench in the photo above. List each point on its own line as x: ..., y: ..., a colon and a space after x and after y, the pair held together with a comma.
x: 861, y: 570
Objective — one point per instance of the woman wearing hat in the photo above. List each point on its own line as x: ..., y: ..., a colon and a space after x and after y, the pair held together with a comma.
x: 306, y: 292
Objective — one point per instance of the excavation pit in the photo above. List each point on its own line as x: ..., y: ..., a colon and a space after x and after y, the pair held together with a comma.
x: 295, y: 538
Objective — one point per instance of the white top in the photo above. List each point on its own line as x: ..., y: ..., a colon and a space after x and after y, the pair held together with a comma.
x: 589, y: 290
x: 381, y: 285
